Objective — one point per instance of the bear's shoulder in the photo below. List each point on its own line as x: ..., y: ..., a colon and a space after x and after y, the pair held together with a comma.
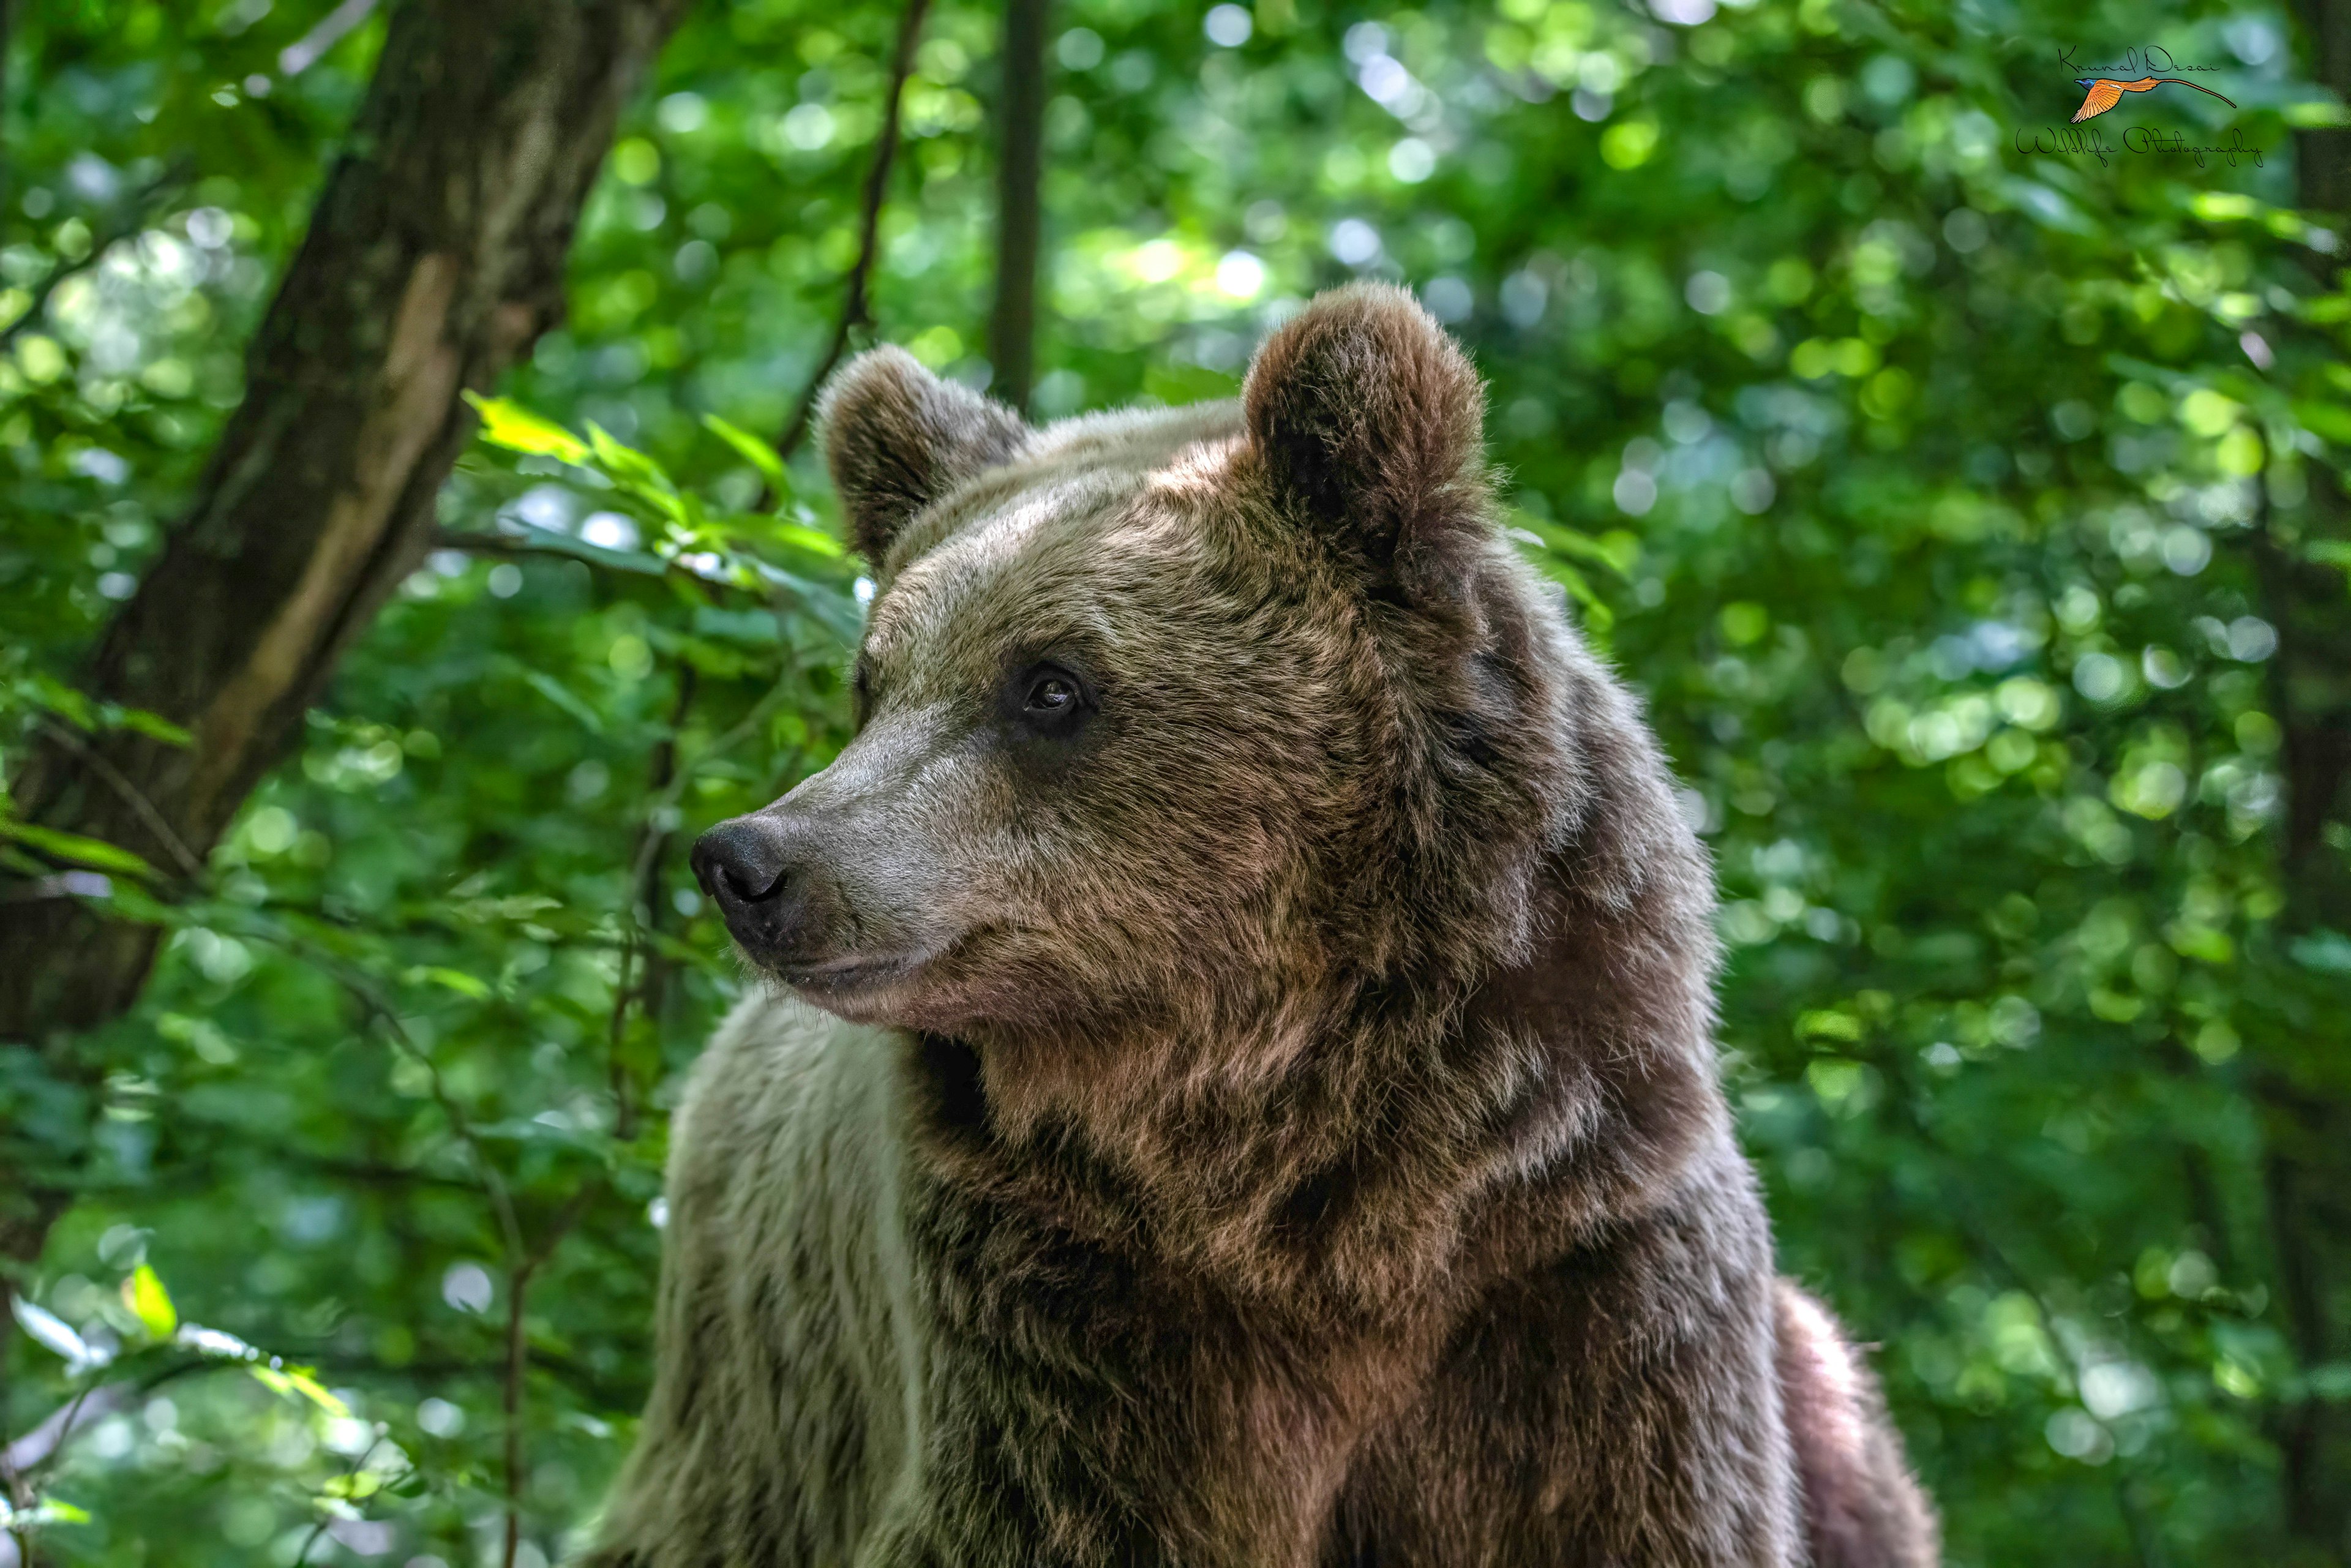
x: 784, y: 1098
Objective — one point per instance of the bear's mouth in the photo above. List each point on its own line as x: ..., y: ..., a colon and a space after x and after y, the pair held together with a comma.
x: 849, y: 972
x: 918, y: 986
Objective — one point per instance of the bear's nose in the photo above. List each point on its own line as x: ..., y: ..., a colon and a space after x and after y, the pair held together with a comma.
x: 740, y: 861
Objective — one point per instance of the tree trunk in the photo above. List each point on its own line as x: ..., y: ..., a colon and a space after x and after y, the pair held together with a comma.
x: 1012, y: 328
x: 2303, y: 1080
x: 435, y: 256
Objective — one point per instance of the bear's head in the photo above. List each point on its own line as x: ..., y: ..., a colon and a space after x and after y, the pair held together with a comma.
x: 1199, y: 726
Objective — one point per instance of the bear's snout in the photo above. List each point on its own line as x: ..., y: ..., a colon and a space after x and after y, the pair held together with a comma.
x: 754, y: 871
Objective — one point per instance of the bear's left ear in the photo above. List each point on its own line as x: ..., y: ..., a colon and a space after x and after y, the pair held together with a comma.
x: 898, y: 437
x: 1367, y: 420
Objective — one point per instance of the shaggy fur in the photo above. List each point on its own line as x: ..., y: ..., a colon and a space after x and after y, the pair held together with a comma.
x: 1272, y: 1120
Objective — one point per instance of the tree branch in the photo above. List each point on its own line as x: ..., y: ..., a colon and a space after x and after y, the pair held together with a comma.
x: 1012, y: 327
x: 645, y: 882
x: 475, y: 541
x: 855, y: 310
x: 518, y: 1358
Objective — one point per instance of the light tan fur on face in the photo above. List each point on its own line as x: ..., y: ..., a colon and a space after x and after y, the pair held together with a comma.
x: 1293, y: 1135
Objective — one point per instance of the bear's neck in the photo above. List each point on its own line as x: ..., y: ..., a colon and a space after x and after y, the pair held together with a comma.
x: 1407, y: 1145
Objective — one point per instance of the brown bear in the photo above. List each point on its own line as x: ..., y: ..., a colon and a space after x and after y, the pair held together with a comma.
x: 1233, y: 1081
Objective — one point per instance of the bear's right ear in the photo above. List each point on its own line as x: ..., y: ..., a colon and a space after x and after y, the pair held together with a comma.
x: 898, y: 437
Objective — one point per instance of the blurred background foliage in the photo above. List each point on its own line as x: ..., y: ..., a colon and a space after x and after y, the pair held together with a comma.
x: 1923, y: 473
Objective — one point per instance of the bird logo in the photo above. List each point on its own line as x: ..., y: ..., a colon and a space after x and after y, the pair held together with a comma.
x: 2105, y: 93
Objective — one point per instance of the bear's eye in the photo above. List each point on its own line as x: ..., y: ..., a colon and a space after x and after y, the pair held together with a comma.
x: 1052, y: 694
x: 1049, y: 699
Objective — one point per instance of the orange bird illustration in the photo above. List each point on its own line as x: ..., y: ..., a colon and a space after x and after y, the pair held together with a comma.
x: 2105, y: 92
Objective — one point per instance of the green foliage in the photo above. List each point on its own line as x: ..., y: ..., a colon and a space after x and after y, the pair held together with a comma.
x: 1916, y: 477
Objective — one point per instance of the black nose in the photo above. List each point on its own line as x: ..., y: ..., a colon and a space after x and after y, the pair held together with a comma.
x: 761, y: 871
x: 741, y: 862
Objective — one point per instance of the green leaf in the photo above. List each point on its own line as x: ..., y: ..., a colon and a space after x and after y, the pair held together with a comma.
x: 516, y: 428
x: 753, y: 451
x: 307, y: 1386
x: 2329, y: 952
x: 2164, y: 376
x: 50, y: 1331
x: 1610, y: 552
x: 47, y: 1511
x: 629, y: 465
x: 833, y: 610
x: 89, y: 852
x: 2222, y: 206
x: 2314, y: 114
x: 2330, y: 419
x: 1596, y: 613
x: 213, y: 1343
x: 595, y: 554
x: 63, y: 700
x: 457, y: 980
x: 815, y: 541
x: 144, y: 1294
x: 300, y: 1380
x: 154, y: 725
x: 554, y: 691
x: 2335, y: 553
x: 77, y: 708
x: 1828, y: 1023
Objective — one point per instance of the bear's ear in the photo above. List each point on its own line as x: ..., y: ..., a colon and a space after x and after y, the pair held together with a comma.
x: 898, y: 437
x: 1366, y: 419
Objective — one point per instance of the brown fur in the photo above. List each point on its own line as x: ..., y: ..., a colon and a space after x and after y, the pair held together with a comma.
x: 1276, y: 1121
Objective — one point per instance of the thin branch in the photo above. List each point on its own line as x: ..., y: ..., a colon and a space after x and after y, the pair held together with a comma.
x: 518, y: 1358
x: 460, y: 1125
x: 337, y: 25
x: 565, y: 1370
x: 327, y: 1519
x: 1965, y: 1219
x: 360, y: 1173
x: 25, y: 1458
x: 855, y: 310
x: 140, y: 207
x: 644, y: 886
x: 474, y: 541
x: 72, y: 1423
x: 38, y: 1449
x: 129, y: 794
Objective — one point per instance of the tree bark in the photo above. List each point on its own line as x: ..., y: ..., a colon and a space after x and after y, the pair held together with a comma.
x: 2304, y: 1079
x: 1012, y: 327
x: 435, y: 256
